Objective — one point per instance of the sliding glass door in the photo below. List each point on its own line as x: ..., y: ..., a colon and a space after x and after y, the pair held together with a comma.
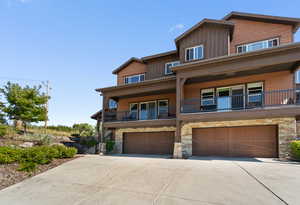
x: 148, y: 110
x: 224, y: 98
x: 229, y: 98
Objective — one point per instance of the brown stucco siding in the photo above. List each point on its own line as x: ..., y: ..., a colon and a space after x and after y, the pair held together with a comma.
x: 123, y: 104
x: 246, y: 31
x: 132, y: 69
x: 272, y: 81
x: 214, y: 38
x: 156, y: 67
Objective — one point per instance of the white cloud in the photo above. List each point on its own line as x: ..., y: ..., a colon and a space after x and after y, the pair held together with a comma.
x: 179, y: 26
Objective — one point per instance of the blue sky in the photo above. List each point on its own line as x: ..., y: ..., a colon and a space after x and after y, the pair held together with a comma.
x: 77, y: 43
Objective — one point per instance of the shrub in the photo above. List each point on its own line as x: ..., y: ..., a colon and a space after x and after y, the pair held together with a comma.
x: 36, y: 155
x: 64, y: 152
x: 295, y: 149
x: 11, y: 154
x: 110, y: 145
x: 42, y: 139
x: 29, y: 158
x: 27, y: 166
x: 5, y: 159
x: 88, y: 141
x: 3, y: 130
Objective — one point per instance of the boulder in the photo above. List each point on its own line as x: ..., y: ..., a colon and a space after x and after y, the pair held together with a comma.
x: 27, y: 144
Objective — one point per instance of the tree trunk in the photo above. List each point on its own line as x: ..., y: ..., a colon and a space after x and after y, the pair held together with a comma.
x: 25, y: 127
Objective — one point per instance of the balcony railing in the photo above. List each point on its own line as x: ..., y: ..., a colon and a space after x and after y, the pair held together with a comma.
x: 241, y: 102
x: 115, y: 116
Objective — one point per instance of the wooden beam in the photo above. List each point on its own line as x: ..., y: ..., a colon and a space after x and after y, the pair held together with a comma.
x: 295, y: 67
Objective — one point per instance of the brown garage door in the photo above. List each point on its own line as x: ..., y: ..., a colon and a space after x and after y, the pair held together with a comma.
x: 148, y: 142
x: 246, y: 141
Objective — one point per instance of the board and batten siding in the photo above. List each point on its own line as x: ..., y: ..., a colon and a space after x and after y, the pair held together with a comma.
x: 156, y: 67
x: 214, y: 38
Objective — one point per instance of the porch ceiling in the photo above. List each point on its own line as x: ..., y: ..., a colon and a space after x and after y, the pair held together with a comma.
x: 262, y: 70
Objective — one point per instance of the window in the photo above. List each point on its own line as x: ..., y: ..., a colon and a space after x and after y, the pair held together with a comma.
x: 258, y: 45
x: 194, y: 53
x: 255, y: 92
x: 163, y: 107
x: 134, y: 78
x: 207, y: 97
x: 297, y: 76
x: 133, y: 111
x: 168, y: 67
x: 148, y: 110
x: 112, y: 104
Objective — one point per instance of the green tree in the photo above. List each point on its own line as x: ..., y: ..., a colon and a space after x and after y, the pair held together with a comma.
x: 26, y: 104
x: 2, y: 114
x: 84, y: 129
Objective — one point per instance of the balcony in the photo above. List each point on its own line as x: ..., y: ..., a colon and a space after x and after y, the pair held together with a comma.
x: 140, y: 118
x: 240, y: 102
x: 121, y: 116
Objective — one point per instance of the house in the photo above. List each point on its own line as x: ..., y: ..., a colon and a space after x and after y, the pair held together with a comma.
x: 229, y: 89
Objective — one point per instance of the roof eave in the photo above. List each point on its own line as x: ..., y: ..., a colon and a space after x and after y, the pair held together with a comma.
x: 146, y: 82
x: 201, y: 23
x: 236, y: 56
x: 129, y: 61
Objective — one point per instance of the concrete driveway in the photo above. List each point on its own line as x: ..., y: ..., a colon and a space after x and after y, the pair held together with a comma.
x: 147, y: 180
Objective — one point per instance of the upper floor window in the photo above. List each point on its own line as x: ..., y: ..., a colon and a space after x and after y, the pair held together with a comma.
x: 194, y: 53
x: 297, y: 76
x: 135, y: 78
x: 168, y: 67
x: 112, y: 104
x: 258, y: 45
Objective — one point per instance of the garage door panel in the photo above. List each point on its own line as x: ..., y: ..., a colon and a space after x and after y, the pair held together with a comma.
x: 148, y: 143
x: 245, y: 141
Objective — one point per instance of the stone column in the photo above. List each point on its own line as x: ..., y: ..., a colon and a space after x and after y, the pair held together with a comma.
x: 118, y: 149
x: 287, y: 132
x: 186, y: 139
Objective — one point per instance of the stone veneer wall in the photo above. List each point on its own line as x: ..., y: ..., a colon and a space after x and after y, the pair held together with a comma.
x: 286, y: 131
x: 298, y: 129
x: 119, y: 134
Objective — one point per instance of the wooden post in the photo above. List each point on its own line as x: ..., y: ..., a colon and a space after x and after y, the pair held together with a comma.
x: 179, y: 98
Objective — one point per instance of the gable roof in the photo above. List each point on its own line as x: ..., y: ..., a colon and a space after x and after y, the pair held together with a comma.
x: 168, y: 53
x: 201, y: 23
x: 124, y: 65
x: 295, y: 22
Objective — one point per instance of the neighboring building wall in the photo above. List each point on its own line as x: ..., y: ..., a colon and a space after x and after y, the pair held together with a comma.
x: 246, y: 31
x: 272, y: 81
x: 123, y: 104
x: 156, y: 67
x: 214, y: 38
x: 132, y: 69
x: 286, y: 131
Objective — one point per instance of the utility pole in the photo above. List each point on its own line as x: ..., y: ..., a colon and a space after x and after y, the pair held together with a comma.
x: 47, y: 85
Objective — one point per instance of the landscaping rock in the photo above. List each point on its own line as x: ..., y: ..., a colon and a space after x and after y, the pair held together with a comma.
x: 27, y: 144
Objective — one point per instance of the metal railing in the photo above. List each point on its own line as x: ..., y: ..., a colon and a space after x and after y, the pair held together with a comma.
x: 115, y: 116
x: 240, y: 102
